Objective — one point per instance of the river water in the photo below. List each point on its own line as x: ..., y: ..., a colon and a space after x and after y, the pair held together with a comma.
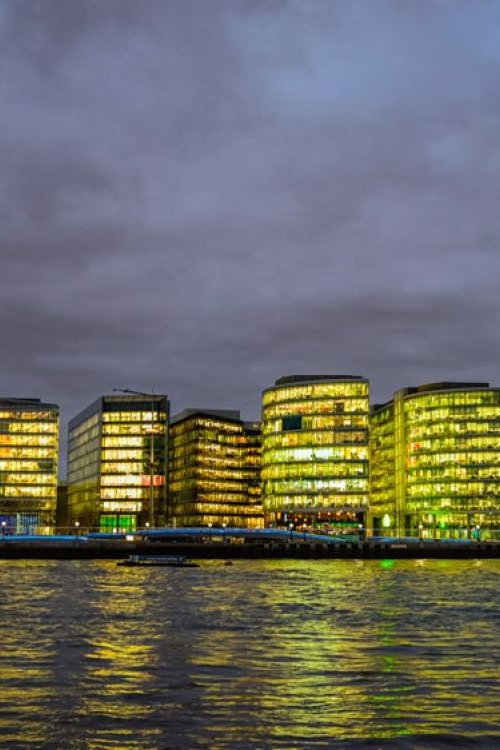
x: 256, y: 655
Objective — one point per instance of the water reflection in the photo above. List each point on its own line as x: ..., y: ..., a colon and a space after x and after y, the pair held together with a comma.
x: 317, y: 654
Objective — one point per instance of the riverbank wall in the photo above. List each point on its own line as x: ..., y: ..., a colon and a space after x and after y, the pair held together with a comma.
x: 88, y: 549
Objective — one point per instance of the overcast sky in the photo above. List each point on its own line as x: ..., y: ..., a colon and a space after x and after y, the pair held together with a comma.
x: 201, y: 196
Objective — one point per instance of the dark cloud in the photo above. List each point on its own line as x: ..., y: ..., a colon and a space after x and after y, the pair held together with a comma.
x: 200, y: 197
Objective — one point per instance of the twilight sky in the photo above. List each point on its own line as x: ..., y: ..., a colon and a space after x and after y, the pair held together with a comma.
x: 200, y: 196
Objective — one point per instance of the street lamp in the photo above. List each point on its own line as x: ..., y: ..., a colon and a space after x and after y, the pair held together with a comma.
x: 420, y: 531
x: 361, y: 532
x: 290, y: 526
x: 478, y: 532
x: 151, y: 451
x: 77, y: 527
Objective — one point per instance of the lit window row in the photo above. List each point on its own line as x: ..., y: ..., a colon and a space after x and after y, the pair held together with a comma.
x: 455, y: 472
x: 29, y: 491
x: 47, y: 465
x: 446, y: 444
x: 41, y: 453
x: 336, y: 453
x: 109, y: 506
x: 476, y: 489
x: 133, y: 416
x: 124, y: 480
x: 318, y: 407
x: 315, y: 486
x: 123, y: 493
x: 128, y: 441
x: 24, y: 416
x: 25, y: 478
x: 328, y: 469
x: 321, y: 423
x: 125, y: 467
x: 318, y: 501
x: 124, y: 454
x: 28, y: 440
x: 125, y: 429
x: 210, y: 473
x: 456, y: 398
x: 28, y: 428
x: 319, y: 390
x: 314, y: 438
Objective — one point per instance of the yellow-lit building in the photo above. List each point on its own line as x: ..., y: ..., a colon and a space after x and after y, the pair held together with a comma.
x: 435, y: 458
x: 315, y: 451
x: 29, y: 437
x: 117, y: 457
x: 214, y: 464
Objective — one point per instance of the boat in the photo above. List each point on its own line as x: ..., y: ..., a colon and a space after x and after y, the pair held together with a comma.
x: 168, y: 561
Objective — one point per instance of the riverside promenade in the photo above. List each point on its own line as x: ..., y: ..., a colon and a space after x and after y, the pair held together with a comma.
x: 229, y: 544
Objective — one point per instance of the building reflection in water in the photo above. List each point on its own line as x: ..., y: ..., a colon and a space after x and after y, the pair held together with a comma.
x: 290, y: 654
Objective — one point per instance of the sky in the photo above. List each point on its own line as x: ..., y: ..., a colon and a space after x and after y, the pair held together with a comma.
x: 202, y: 196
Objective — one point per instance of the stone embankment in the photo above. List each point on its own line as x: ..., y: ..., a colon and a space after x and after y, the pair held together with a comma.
x: 80, y: 548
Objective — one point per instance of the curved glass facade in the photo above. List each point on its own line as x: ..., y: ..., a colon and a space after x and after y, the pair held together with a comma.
x: 436, y: 460
x: 315, y: 445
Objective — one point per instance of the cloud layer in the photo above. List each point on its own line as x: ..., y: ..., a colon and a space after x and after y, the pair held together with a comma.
x: 201, y: 197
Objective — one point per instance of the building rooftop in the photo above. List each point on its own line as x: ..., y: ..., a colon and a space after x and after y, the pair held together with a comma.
x: 21, y: 401
x: 291, y: 379
x: 230, y: 414
x: 132, y: 402
x: 445, y: 385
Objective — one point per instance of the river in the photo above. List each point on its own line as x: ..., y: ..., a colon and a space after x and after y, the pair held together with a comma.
x: 257, y: 655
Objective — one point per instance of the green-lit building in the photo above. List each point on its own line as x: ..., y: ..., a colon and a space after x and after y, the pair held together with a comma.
x: 315, y: 451
x: 29, y: 436
x: 214, y: 466
x: 117, y: 456
x: 435, y: 462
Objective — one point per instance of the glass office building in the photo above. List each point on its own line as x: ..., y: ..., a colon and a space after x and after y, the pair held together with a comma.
x: 436, y: 461
x: 29, y: 434
x: 315, y: 450
x: 117, y: 456
x: 214, y: 463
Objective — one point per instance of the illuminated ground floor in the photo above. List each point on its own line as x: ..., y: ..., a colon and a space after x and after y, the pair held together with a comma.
x: 351, y: 521
x: 26, y: 523
x: 472, y: 524
x: 119, y: 522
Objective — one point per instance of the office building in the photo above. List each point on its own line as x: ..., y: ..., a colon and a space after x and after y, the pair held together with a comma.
x: 117, y: 463
x: 29, y: 432
x: 436, y: 461
x: 315, y: 451
x: 214, y: 463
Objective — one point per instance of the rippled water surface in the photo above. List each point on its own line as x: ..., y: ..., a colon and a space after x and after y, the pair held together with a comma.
x: 260, y: 654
